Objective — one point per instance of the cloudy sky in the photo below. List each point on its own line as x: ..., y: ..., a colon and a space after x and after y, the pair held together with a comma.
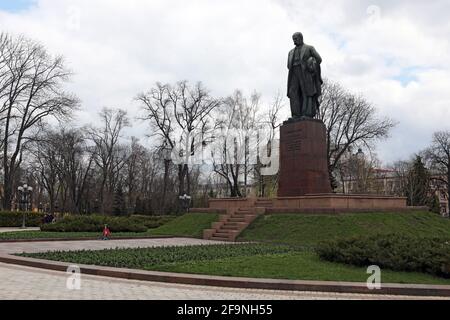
x: 396, y: 53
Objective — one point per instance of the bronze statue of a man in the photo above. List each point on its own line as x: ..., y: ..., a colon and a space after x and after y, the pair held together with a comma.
x: 305, y: 80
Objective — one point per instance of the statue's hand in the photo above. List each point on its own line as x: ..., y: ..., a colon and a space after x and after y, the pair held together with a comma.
x: 311, y: 65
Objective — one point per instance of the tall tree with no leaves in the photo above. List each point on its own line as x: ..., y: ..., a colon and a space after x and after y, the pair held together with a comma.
x: 46, y: 162
x: 108, y: 154
x: 350, y: 121
x: 236, y: 146
x: 75, y: 168
x: 31, y: 91
x: 268, y: 136
x: 180, y: 117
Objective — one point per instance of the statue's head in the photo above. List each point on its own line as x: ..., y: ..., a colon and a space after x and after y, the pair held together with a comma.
x: 298, y: 38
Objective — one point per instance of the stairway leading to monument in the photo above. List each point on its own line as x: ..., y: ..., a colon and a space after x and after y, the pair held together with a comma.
x: 230, y: 225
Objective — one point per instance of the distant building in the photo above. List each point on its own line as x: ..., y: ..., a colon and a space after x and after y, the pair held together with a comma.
x: 388, y: 182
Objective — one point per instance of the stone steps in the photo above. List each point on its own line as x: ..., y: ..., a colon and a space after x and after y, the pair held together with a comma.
x: 216, y: 238
x: 230, y: 225
x: 221, y: 234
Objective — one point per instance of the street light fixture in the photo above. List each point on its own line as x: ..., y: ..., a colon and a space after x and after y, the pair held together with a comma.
x: 185, y: 202
x: 166, y: 153
x: 24, y: 201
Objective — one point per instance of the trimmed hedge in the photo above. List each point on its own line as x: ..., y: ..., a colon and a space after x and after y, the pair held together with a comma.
x: 96, y: 223
x: 395, y: 252
x: 12, y: 219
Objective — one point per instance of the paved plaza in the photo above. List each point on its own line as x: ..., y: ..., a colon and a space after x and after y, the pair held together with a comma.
x: 19, y: 282
x: 3, y: 230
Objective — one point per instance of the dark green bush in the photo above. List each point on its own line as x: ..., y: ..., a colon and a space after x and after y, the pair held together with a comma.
x: 395, y: 252
x: 14, y: 219
x: 96, y: 223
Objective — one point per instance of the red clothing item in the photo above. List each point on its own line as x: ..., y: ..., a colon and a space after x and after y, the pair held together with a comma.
x: 106, y: 232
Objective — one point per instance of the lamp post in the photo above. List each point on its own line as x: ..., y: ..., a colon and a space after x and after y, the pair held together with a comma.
x: 185, y: 202
x: 24, y: 201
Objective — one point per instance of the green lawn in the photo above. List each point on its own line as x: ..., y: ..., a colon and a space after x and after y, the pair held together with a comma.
x: 303, y: 265
x: 308, y: 230
x: 188, y: 225
x: 287, y: 253
x: 243, y: 260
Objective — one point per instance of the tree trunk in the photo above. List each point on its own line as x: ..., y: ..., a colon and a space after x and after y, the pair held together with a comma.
x: 448, y: 190
x: 181, y: 179
x: 166, y: 179
x: 188, y: 179
x: 7, y: 194
x: 51, y: 197
x: 102, y: 195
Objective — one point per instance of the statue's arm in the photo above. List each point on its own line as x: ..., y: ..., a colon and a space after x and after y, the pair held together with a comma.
x: 316, y: 55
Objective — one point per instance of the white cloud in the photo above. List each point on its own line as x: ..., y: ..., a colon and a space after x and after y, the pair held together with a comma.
x: 395, y: 54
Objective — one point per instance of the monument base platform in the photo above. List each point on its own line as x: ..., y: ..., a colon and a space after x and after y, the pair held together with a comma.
x: 236, y: 214
x: 315, y: 203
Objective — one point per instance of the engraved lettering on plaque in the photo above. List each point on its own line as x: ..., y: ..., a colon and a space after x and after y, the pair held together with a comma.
x: 294, y: 144
x: 294, y: 139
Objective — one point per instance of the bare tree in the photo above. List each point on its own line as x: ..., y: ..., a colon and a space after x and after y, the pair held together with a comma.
x: 350, y: 121
x: 136, y: 153
x: 401, y: 170
x: 270, y: 122
x: 108, y: 154
x: 141, y: 172
x: 31, y: 91
x: 180, y: 117
x: 237, y: 145
x: 46, y: 162
x: 75, y: 169
x: 439, y: 156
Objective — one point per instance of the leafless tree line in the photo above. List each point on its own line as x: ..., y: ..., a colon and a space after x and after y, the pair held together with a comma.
x: 90, y: 169
x: 190, y: 121
x: 84, y: 170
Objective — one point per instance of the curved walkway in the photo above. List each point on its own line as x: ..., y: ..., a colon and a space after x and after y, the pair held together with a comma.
x: 3, y: 230
x: 24, y: 283
x: 20, y: 282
